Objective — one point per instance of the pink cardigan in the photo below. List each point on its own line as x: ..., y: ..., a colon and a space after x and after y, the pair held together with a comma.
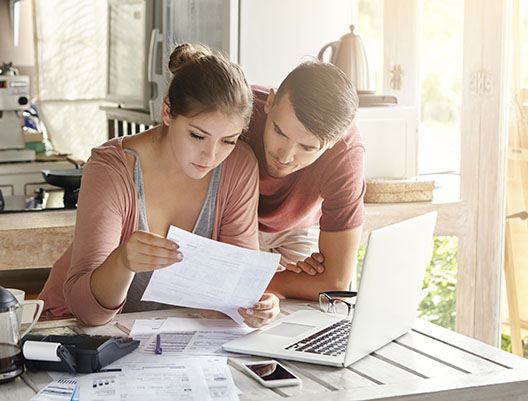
x: 107, y: 215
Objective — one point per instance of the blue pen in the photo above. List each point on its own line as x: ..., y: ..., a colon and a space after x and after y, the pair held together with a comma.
x: 158, y: 349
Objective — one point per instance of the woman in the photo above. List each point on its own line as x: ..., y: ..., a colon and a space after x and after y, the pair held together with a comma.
x: 189, y: 172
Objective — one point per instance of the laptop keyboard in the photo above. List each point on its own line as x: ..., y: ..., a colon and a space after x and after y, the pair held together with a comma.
x: 331, y: 340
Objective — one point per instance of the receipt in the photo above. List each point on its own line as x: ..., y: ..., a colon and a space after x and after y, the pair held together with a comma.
x: 41, y: 351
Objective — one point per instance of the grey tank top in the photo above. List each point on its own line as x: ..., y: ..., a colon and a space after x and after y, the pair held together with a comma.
x: 203, y: 227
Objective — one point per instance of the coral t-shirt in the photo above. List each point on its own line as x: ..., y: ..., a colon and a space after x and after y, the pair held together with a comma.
x: 329, y: 191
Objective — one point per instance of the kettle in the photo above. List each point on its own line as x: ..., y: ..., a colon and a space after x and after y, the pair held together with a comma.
x: 11, y: 360
x: 350, y: 55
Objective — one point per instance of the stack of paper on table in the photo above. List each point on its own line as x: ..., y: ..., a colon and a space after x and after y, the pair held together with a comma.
x: 202, y: 378
x: 185, y: 335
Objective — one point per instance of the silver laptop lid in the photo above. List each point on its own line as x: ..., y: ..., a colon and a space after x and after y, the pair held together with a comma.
x: 390, y: 285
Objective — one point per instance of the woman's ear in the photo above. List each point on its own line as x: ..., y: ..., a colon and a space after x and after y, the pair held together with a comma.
x: 269, y: 101
x: 165, y: 112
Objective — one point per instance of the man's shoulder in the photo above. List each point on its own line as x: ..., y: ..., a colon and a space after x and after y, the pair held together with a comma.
x: 348, y: 146
x: 352, y: 136
x: 261, y: 91
x: 260, y: 95
x: 258, y: 118
x: 343, y: 159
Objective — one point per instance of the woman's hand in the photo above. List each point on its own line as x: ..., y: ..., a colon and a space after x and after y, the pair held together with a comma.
x: 144, y: 251
x: 263, y: 312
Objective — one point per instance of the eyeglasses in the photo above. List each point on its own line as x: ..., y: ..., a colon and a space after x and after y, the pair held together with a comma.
x: 329, y: 304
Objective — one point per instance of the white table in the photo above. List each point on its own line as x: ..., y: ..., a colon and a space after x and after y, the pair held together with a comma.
x: 428, y: 363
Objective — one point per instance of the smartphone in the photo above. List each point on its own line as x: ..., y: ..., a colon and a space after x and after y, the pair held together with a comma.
x: 270, y: 373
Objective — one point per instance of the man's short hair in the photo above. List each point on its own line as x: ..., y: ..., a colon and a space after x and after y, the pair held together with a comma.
x: 323, y: 98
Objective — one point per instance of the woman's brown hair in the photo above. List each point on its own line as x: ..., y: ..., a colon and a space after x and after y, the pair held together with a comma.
x: 204, y: 82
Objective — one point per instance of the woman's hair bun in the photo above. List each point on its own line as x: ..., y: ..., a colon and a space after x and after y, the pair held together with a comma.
x: 186, y: 53
x: 206, y: 82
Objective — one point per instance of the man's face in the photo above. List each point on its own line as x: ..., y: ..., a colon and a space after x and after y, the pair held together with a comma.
x: 288, y: 145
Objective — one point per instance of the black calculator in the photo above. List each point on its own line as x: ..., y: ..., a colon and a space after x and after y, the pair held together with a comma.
x: 81, y: 353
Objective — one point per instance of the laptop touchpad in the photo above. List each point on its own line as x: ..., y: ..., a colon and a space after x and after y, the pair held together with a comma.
x: 288, y: 329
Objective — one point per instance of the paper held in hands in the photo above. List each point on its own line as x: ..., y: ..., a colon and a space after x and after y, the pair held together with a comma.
x: 213, y: 275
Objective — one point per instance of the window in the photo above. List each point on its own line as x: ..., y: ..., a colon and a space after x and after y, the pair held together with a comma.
x: 441, y: 86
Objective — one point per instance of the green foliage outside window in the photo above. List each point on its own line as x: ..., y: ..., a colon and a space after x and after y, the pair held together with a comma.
x: 438, y: 302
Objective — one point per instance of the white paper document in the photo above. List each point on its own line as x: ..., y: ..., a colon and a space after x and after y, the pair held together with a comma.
x: 213, y: 275
x: 144, y: 329
x: 219, y: 379
x: 63, y: 389
x: 100, y: 386
x: 180, y: 335
x: 184, y: 381
x: 162, y: 377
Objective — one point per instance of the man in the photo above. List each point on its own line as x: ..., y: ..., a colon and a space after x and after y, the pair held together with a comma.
x: 311, y: 160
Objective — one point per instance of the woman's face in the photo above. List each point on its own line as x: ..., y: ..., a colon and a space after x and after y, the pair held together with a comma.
x: 201, y: 143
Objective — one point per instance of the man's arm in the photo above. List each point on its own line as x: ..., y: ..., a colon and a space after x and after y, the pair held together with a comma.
x: 340, y: 253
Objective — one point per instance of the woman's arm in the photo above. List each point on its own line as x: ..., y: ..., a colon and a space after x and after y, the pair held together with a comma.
x: 103, y: 221
x: 142, y: 251
x: 106, y: 251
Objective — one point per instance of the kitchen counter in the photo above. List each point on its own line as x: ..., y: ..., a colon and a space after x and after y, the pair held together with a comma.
x: 34, y: 239
x: 38, y: 239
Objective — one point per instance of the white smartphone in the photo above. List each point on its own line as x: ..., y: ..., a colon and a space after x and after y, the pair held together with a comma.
x: 270, y: 373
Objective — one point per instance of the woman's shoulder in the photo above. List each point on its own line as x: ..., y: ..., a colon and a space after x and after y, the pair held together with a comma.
x: 240, y: 167
x: 108, y: 151
x: 108, y: 163
x: 242, y: 155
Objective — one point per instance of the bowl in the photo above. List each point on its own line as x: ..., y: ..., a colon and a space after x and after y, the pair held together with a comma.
x: 67, y: 179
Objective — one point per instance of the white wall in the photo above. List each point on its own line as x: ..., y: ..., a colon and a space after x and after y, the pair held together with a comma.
x: 277, y: 35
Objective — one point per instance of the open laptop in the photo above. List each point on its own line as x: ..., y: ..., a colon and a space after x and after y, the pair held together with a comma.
x: 388, y: 296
